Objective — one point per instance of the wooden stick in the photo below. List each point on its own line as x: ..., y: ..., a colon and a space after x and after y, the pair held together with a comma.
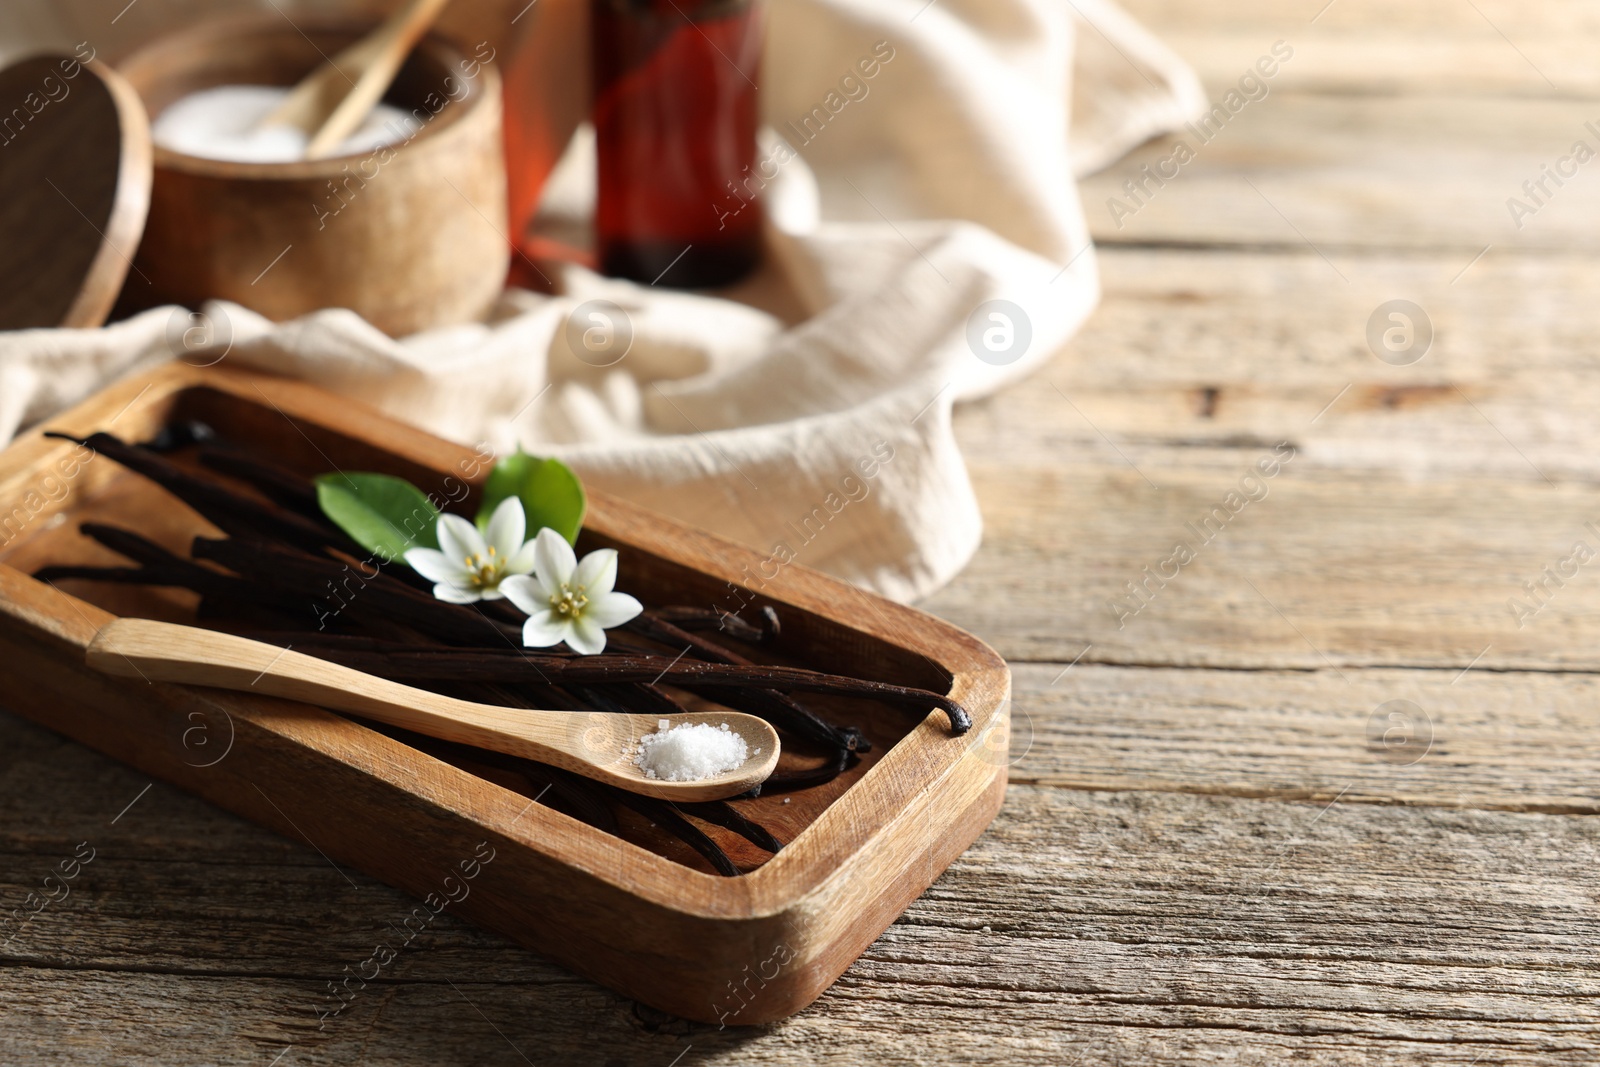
x: 331, y: 103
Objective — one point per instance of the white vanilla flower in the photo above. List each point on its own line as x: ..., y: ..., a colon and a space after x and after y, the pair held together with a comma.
x: 470, y: 566
x: 567, y: 600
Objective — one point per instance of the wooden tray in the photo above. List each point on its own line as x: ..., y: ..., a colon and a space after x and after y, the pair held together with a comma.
x: 631, y: 913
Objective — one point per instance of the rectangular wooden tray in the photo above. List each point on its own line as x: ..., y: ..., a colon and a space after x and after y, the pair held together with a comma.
x: 632, y: 914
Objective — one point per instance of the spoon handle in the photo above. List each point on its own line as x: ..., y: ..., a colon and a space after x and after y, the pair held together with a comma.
x: 165, y: 652
x: 313, y: 104
x: 396, y: 38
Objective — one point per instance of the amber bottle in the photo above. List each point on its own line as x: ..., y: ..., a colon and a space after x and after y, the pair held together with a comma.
x: 675, y: 115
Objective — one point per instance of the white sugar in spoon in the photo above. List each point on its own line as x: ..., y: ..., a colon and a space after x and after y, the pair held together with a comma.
x: 595, y: 745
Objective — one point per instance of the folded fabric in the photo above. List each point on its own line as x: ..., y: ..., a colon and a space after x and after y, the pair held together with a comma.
x: 925, y: 247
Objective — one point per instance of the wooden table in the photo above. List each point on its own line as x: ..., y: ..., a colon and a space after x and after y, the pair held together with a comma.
x: 1226, y: 841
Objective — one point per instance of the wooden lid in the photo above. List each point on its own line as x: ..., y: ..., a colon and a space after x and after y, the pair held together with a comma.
x: 75, y: 166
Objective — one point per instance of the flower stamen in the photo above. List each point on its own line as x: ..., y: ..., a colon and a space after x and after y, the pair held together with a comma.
x: 470, y: 566
x: 570, y: 602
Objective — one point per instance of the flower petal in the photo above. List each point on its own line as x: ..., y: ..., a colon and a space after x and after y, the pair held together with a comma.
x: 506, y: 528
x: 553, y: 561
x: 436, y: 566
x: 586, y: 638
x: 597, y: 573
x: 525, y: 593
x: 455, y: 594
x: 611, y: 609
x: 459, y: 539
x: 545, y: 628
x: 522, y: 560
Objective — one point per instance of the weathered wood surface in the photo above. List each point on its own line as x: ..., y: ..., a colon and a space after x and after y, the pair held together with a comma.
x: 1513, y: 741
x: 874, y: 837
x: 1134, y: 927
x: 1220, y: 848
x: 1341, y: 171
x: 1418, y: 501
x: 1374, y: 47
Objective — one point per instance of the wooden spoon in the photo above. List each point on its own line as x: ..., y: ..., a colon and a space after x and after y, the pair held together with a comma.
x: 596, y: 745
x: 328, y: 106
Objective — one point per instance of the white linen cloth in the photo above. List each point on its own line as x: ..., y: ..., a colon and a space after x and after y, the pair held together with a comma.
x: 949, y: 184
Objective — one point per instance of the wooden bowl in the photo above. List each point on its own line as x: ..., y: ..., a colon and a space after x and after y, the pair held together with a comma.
x: 409, y: 236
x: 635, y: 909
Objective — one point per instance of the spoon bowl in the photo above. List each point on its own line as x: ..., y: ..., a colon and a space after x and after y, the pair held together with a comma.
x: 596, y: 745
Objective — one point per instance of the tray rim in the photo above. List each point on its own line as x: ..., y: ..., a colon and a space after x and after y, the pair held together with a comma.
x: 850, y: 824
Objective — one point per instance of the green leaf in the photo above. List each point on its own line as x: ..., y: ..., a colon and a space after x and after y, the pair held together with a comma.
x: 551, y: 494
x: 383, y: 514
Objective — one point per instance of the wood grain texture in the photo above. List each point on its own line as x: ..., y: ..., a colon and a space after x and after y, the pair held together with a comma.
x: 1373, y: 48
x: 1111, y: 927
x: 1419, y: 500
x: 1326, y: 572
x: 1166, y: 886
x: 1491, y: 740
x: 1346, y: 172
x: 74, y: 190
x: 409, y: 235
x: 574, y: 740
x: 598, y: 902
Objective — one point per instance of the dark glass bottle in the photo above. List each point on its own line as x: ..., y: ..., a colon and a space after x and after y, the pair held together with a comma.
x: 675, y: 114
